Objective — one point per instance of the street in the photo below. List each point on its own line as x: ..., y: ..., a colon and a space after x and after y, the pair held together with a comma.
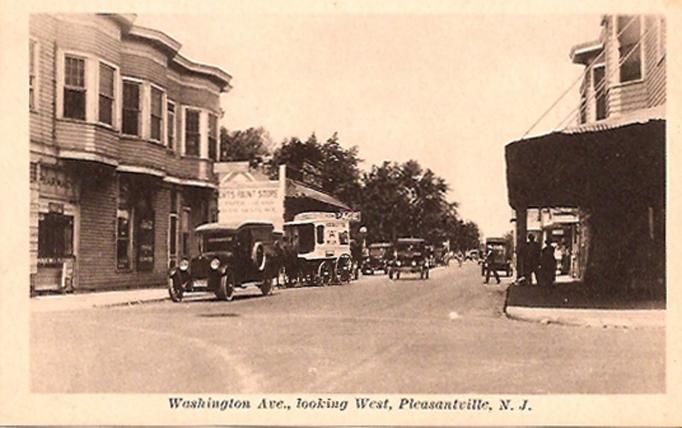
x: 447, y: 334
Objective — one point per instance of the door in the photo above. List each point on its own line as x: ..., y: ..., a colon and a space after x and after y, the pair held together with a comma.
x: 55, y: 252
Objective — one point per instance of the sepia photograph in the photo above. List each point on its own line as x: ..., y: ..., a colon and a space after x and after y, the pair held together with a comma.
x: 319, y: 211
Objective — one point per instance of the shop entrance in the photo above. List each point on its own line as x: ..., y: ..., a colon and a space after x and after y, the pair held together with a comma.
x: 55, y: 252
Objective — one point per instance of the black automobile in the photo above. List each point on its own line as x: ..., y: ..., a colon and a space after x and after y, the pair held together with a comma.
x: 379, y: 255
x: 231, y: 255
x: 410, y: 256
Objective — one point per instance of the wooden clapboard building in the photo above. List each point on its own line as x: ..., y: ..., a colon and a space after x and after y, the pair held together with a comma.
x: 123, y: 136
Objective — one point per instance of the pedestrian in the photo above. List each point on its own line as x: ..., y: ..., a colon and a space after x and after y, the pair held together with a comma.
x: 489, y: 266
x: 547, y: 265
x: 531, y: 262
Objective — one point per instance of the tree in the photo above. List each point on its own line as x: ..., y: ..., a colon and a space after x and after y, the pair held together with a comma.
x: 252, y: 144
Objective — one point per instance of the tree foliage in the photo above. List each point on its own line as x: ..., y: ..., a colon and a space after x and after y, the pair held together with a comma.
x: 252, y: 144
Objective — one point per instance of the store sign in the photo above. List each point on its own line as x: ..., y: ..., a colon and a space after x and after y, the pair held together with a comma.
x: 239, y: 201
x: 54, y: 181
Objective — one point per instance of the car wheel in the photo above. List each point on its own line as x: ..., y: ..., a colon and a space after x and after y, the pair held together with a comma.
x: 225, y: 290
x: 175, y: 289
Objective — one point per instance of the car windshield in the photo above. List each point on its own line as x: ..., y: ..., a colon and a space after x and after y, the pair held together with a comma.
x: 377, y: 252
x: 410, y: 247
x: 220, y: 241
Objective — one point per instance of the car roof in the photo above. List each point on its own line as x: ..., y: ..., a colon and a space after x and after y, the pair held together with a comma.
x: 495, y: 241
x: 380, y: 245
x: 214, y: 227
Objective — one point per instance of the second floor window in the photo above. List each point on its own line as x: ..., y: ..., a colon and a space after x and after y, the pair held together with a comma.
x: 170, y: 123
x: 32, y: 73
x: 213, y: 137
x: 131, y: 108
x: 598, y: 77
x: 630, y: 53
x: 106, y: 94
x: 192, y: 134
x: 74, y: 87
x: 156, y: 114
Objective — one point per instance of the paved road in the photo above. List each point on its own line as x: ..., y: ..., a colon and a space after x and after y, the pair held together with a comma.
x: 444, y: 335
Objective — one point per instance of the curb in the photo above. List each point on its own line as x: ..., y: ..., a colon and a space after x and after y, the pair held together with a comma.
x: 588, y: 317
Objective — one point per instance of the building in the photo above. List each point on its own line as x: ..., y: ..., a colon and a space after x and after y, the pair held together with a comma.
x: 123, y: 136
x: 609, y: 165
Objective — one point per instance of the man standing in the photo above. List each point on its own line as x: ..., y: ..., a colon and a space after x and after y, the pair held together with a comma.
x: 532, y: 260
x: 488, y: 261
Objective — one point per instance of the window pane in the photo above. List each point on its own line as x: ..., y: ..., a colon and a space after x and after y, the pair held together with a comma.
x: 156, y: 102
x: 192, y: 121
x: 629, y: 50
x: 170, y: 125
x: 212, y: 126
x: 131, y: 95
x: 173, y: 235
x: 156, y: 128
x: 74, y: 104
x: 74, y: 72
x: 106, y: 80
x: 105, y: 109
x: 192, y: 136
x: 31, y: 57
x: 130, y: 122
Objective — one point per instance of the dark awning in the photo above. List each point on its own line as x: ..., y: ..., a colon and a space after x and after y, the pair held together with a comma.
x: 589, y: 166
x: 295, y: 189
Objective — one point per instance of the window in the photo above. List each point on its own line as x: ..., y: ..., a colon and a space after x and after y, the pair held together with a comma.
x: 131, y: 108
x: 213, y: 137
x: 74, y: 87
x: 156, y: 114
x: 170, y: 123
x: 186, y: 226
x: 319, y: 232
x: 660, y: 38
x: 630, y: 49
x: 583, y: 104
x: 55, y: 235
x: 32, y: 73
x: 123, y: 226
x: 172, y: 239
x: 106, y: 94
x: 599, y: 84
x: 192, y: 134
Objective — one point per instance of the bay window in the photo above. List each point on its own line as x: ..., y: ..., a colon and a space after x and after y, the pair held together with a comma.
x: 192, y: 133
x: 156, y: 114
x: 106, y: 94
x: 74, y: 87
x: 131, y: 108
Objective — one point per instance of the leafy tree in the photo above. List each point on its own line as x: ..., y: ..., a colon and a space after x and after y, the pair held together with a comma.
x: 252, y: 144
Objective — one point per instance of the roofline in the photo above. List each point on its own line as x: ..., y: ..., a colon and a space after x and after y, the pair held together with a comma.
x: 156, y: 36
x: 204, y: 69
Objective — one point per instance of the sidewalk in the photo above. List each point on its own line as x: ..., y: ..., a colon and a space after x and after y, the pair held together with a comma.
x: 572, y: 303
x: 80, y: 301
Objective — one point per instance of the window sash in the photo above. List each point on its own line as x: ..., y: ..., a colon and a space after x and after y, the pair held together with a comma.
x: 131, y: 108
x: 74, y: 103
x: 192, y: 133
x: 170, y: 125
x: 629, y: 46
x: 74, y: 72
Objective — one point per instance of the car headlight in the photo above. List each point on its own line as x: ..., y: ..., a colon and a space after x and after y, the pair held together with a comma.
x: 184, y: 264
x: 414, y: 263
x: 215, y: 264
x: 397, y: 263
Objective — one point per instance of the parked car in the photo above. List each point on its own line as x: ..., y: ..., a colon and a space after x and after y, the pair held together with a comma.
x: 379, y: 255
x: 410, y: 256
x: 500, y: 259
x: 231, y: 255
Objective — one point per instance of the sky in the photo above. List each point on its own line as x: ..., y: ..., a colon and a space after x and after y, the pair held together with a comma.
x: 446, y: 90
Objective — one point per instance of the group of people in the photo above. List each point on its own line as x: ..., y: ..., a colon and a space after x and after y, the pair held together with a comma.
x: 538, y: 262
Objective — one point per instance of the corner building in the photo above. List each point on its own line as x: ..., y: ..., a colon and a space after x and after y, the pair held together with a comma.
x: 123, y: 137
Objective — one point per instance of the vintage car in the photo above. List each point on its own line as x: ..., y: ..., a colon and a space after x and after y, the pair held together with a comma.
x: 411, y: 256
x: 231, y: 255
x: 378, y: 256
x: 320, y: 252
x: 500, y: 259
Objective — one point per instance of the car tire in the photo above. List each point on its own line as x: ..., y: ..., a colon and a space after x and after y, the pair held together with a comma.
x: 176, y: 290
x: 225, y: 290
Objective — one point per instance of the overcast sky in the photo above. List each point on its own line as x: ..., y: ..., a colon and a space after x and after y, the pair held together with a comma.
x: 447, y: 90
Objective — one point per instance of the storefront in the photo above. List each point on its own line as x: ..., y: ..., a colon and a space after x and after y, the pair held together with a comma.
x: 56, y: 216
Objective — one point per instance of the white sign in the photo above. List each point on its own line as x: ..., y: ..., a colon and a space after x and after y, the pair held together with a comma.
x: 350, y: 216
x: 240, y: 200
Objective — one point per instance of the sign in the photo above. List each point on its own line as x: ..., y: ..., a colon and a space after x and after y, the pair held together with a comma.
x: 350, y: 216
x: 55, y: 182
x: 261, y: 200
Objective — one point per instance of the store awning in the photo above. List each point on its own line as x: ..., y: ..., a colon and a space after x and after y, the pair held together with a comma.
x: 296, y: 189
x: 605, y: 163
